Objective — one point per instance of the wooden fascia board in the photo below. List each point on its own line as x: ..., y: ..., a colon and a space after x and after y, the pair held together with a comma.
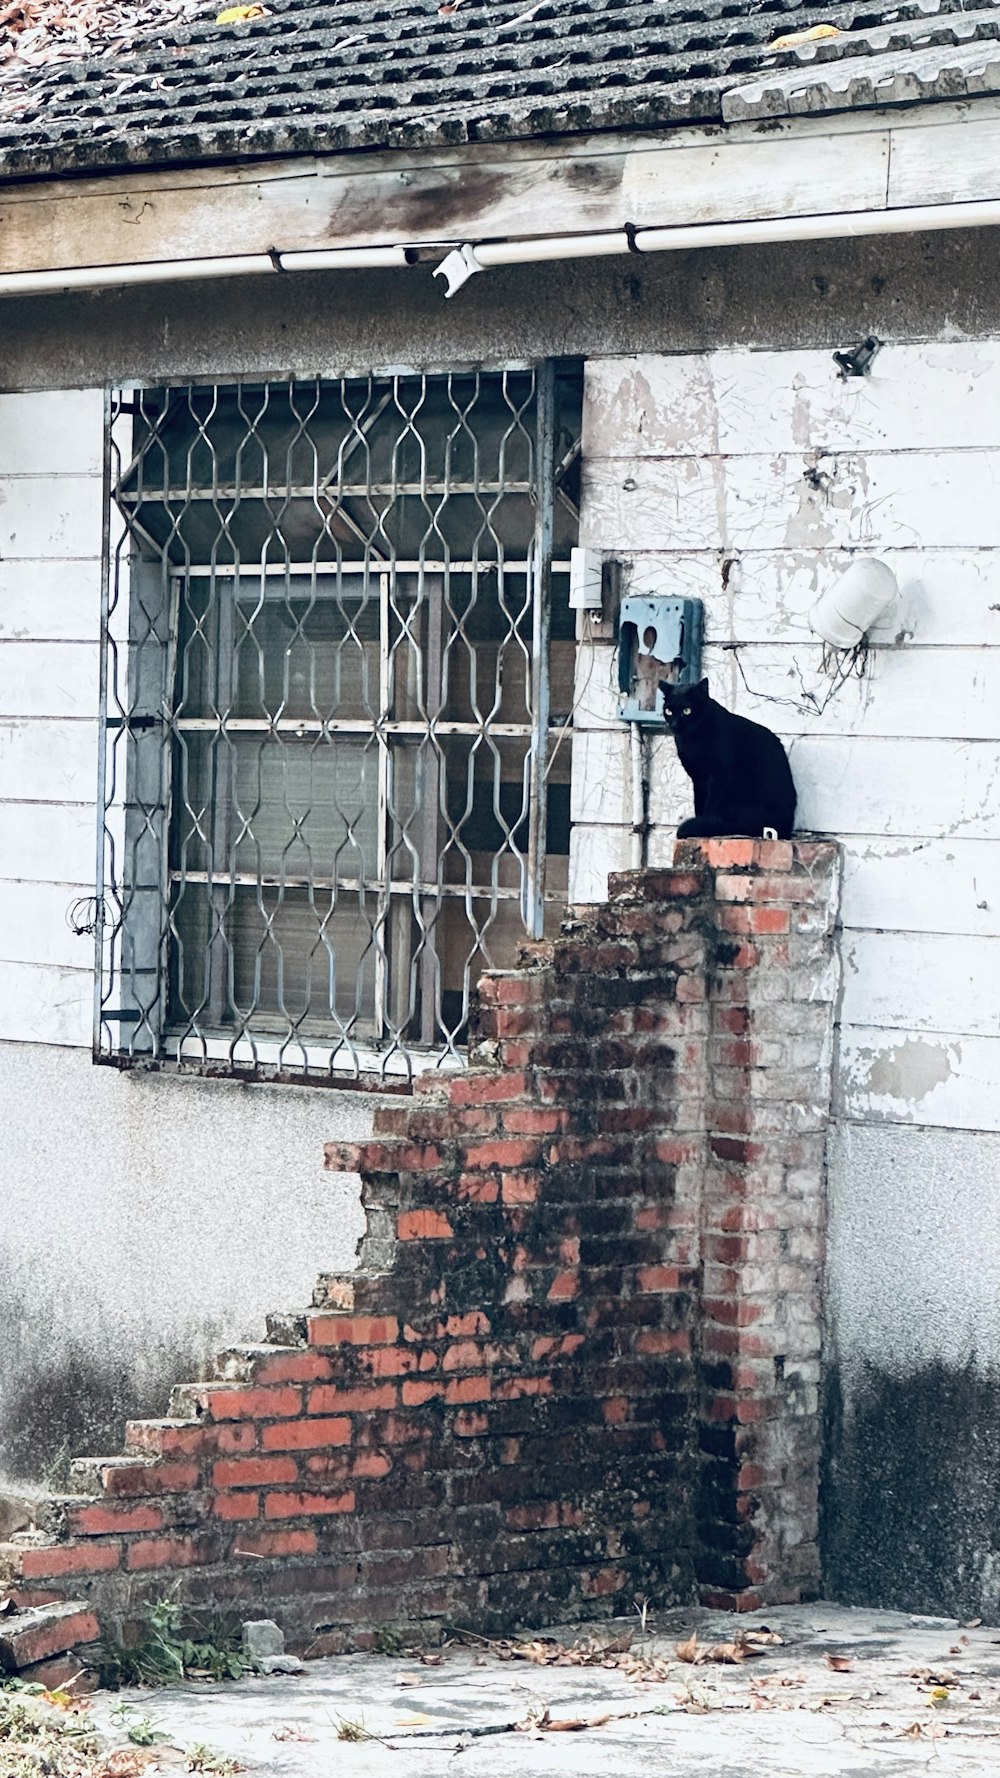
x: 855, y: 162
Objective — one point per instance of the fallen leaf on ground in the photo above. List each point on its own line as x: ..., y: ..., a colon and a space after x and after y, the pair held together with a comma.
x: 289, y: 1732
x: 725, y: 1653
x: 237, y: 15
x: 840, y: 1663
x: 793, y: 38
x: 568, y: 1724
x: 416, y: 1721
x: 125, y: 1762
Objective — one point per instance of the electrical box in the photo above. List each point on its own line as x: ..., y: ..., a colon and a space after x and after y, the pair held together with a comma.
x: 586, y: 573
x: 658, y: 638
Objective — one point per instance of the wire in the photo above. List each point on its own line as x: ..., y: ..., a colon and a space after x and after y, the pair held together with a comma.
x: 842, y: 664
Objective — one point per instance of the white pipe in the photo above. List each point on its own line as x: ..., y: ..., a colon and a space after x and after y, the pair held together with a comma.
x: 343, y: 259
x: 557, y: 247
x: 984, y: 213
x: 915, y: 220
x: 99, y: 276
x: 172, y: 271
x: 638, y: 797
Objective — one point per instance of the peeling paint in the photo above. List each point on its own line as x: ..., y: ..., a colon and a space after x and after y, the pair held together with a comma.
x: 911, y: 1070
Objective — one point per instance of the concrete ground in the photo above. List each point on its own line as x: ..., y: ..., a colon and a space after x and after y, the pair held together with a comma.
x: 845, y: 1694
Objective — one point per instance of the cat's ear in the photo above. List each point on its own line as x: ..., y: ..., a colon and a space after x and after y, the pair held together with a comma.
x: 699, y: 691
x: 668, y: 690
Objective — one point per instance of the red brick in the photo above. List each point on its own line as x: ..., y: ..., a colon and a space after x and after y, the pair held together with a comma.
x: 293, y: 1542
x: 732, y: 1018
x: 727, y: 854
x: 292, y: 1367
x: 462, y: 1389
x: 733, y: 1313
x: 131, y: 1480
x: 371, y: 1465
x: 469, y: 1424
x: 520, y: 989
x: 415, y: 1394
x: 254, y: 1472
x: 247, y: 1403
x: 465, y: 1356
x: 308, y: 1434
x: 401, y: 1429
x: 423, y: 1225
x: 353, y: 1330
x: 235, y: 1436
x: 100, y: 1521
x: 533, y: 1120
x: 304, y: 1506
x: 676, y: 1151
x: 657, y: 1278
x: 165, y: 1440
x: 478, y: 1188
x: 662, y: 1340
x: 508, y: 1152
x: 172, y: 1551
x: 69, y: 1558
x: 388, y: 1361
x: 23, y: 1644
x: 342, y: 1157
x: 329, y: 1398
x: 599, y: 1582
x: 487, y: 1089
x: 544, y: 1515
x: 741, y: 919
x: 456, y: 1327
x: 237, y: 1506
x: 556, y: 1346
x: 564, y: 1286
x: 519, y: 1188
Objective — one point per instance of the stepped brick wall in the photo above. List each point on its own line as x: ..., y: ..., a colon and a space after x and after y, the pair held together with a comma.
x: 579, y: 1360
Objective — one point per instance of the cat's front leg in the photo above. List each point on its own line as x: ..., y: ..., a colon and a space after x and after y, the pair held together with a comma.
x: 703, y: 827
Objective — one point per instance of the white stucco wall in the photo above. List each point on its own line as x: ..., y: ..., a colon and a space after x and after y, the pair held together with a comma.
x: 747, y: 479
x: 147, y: 1221
x: 144, y: 1219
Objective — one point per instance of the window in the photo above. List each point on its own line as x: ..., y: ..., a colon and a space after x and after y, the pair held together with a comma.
x: 338, y: 658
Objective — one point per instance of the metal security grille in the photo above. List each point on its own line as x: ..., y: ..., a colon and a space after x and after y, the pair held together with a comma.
x: 337, y: 663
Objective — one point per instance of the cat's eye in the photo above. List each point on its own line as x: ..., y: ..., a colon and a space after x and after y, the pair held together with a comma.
x: 686, y: 710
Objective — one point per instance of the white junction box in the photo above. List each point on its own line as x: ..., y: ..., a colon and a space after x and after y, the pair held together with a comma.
x: 585, y: 579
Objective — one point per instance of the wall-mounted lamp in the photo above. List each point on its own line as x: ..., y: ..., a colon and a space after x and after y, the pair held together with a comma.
x: 843, y: 614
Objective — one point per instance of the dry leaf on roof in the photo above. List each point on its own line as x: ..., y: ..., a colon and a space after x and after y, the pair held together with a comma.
x: 34, y: 33
x: 794, y: 38
x: 238, y: 15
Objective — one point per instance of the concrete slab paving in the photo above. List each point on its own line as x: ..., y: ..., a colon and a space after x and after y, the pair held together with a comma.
x: 846, y: 1694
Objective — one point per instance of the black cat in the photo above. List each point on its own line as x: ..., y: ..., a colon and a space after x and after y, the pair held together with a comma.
x: 740, y: 772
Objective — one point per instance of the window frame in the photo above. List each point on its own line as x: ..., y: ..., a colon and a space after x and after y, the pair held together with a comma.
x: 141, y: 718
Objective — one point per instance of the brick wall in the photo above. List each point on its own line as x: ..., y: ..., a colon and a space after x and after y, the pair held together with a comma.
x: 579, y: 1359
